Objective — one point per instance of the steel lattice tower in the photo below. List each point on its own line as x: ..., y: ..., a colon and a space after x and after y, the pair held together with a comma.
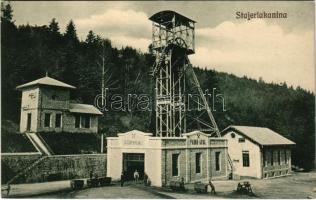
x: 173, y: 40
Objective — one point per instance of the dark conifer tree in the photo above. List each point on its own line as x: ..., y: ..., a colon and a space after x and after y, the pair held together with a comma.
x: 6, y: 11
x: 91, y: 38
x: 53, y: 26
x: 71, y: 33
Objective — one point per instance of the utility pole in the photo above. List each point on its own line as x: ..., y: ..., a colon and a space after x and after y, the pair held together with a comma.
x: 102, y: 142
x: 103, y: 74
x: 103, y: 90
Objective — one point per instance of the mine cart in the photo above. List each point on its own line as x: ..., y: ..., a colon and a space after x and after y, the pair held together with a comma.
x: 200, y: 187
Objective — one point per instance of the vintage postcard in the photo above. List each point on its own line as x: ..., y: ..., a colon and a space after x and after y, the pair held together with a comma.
x: 158, y: 99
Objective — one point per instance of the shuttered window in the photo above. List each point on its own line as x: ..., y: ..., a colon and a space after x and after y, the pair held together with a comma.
x: 217, y: 161
x: 198, y: 163
x: 175, y: 164
x: 77, y: 121
x: 47, y: 120
x: 58, y: 120
x: 245, y: 159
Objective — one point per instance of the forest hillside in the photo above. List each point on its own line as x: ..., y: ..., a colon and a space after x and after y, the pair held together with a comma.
x: 28, y: 52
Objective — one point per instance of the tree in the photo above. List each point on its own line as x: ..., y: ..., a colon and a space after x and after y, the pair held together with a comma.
x: 53, y: 26
x: 6, y: 12
x: 27, y: 50
x: 90, y: 37
x: 71, y: 33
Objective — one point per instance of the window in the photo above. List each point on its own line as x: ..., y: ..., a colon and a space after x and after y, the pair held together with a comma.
x: 245, y: 159
x: 271, y: 158
x: 29, y: 121
x: 58, y: 120
x: 217, y: 161
x: 175, y: 164
x: 265, y: 158
x: 240, y: 140
x: 54, y: 97
x: 198, y: 163
x: 285, y: 157
x: 47, y: 120
x: 77, y: 121
x: 279, y: 157
x: 233, y: 135
x: 85, y: 121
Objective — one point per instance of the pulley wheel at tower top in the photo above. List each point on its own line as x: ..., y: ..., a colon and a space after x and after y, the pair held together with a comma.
x: 180, y: 42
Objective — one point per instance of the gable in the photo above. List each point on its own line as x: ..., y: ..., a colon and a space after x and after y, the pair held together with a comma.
x: 259, y: 135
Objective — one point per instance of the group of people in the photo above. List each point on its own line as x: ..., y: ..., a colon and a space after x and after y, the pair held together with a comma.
x: 147, y: 181
x: 136, y: 178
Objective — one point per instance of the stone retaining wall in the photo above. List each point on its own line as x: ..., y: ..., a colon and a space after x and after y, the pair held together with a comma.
x: 53, y: 168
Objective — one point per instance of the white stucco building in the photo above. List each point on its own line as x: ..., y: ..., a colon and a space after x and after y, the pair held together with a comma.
x: 258, y: 152
x: 194, y: 157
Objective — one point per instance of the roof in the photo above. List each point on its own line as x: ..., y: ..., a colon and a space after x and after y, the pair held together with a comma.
x: 46, y: 81
x: 135, y: 132
x: 260, y: 135
x: 84, y: 108
x: 195, y: 133
x: 167, y: 16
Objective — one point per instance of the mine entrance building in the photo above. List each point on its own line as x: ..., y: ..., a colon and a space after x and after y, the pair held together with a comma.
x: 172, y: 153
x: 177, y: 151
x: 194, y: 157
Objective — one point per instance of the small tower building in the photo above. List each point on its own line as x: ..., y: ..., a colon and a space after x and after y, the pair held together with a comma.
x: 46, y: 107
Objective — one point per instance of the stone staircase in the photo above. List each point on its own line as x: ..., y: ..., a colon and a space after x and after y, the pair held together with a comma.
x: 40, y: 144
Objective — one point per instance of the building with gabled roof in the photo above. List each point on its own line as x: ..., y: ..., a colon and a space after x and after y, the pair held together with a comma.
x: 258, y: 152
x: 46, y: 107
x: 193, y: 157
x: 46, y: 81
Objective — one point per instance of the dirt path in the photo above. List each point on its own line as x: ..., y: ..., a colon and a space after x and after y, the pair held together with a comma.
x: 296, y: 186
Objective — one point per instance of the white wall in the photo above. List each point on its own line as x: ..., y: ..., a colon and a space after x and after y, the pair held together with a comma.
x: 235, y: 149
x: 153, y: 167
x: 114, y: 159
x: 134, y: 143
x: 29, y: 104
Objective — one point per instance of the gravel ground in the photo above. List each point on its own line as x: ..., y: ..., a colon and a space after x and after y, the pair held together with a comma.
x: 296, y: 186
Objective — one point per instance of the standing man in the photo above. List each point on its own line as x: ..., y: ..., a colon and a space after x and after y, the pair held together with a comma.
x: 145, y: 179
x: 136, y: 176
x: 91, y: 174
x: 212, y: 187
x: 122, y: 179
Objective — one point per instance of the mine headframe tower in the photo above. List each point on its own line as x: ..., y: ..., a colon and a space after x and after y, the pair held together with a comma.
x: 173, y: 40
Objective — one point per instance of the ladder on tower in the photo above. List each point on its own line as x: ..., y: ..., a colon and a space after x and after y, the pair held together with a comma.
x: 158, y: 63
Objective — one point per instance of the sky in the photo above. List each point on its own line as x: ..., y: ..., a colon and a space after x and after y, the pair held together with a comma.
x: 276, y: 50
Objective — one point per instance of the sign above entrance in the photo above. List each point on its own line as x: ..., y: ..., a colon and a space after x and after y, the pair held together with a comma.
x: 132, y: 142
x: 196, y: 138
x: 133, y: 138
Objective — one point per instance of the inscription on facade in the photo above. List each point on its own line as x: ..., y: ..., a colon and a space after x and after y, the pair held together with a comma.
x: 32, y: 95
x: 197, y: 142
x: 132, y: 142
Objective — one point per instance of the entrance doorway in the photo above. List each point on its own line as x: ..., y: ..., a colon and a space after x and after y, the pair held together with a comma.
x: 132, y: 162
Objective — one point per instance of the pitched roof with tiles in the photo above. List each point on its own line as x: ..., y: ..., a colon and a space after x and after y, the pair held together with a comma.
x: 84, y: 108
x: 46, y: 81
x: 260, y: 135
